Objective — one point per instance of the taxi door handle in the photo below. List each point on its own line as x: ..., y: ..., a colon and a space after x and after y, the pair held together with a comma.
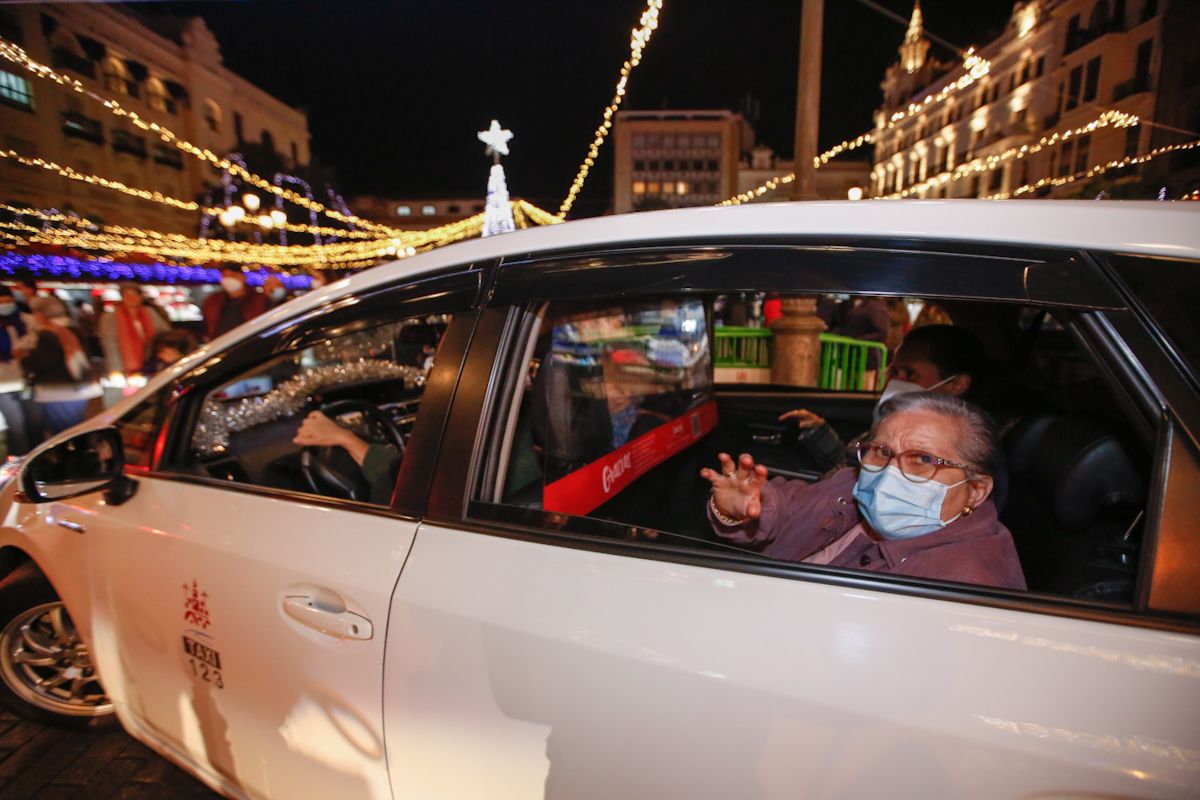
x: 338, y: 623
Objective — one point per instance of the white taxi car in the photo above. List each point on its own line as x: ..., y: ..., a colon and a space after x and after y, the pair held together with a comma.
x: 504, y: 584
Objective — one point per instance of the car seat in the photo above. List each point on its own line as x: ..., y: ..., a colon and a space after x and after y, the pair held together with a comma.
x: 1075, y: 505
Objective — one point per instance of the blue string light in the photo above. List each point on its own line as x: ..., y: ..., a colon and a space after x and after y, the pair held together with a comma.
x: 71, y: 268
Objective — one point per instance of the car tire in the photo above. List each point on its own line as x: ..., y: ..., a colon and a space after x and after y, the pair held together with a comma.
x: 46, y: 672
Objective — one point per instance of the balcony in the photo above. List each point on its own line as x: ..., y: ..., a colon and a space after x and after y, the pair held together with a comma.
x: 125, y: 142
x: 168, y: 156
x: 80, y: 65
x: 80, y: 127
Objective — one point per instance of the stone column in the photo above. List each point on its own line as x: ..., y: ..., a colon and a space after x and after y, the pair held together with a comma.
x: 796, y: 357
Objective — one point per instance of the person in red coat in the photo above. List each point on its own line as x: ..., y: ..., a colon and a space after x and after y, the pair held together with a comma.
x: 231, y: 305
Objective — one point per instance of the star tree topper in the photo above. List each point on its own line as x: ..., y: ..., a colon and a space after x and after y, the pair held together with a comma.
x: 497, y: 211
x: 496, y: 139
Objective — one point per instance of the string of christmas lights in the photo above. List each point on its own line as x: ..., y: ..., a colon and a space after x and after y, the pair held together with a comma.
x: 14, y: 53
x: 96, y: 180
x: 974, y: 68
x: 638, y: 40
x: 1095, y: 169
x: 340, y: 255
x: 978, y: 166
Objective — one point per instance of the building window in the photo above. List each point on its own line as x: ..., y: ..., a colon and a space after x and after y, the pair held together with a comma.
x: 452, y: 209
x: 157, y: 96
x: 1082, y: 146
x: 212, y: 115
x: 1075, y: 79
x: 1064, y: 163
x: 669, y: 165
x: 639, y: 165
x: 653, y: 187
x: 639, y: 187
x: 116, y: 78
x: 654, y: 166
x: 1092, y: 84
x: 681, y: 187
x: 1141, y: 73
x: 668, y: 140
x: 428, y: 210
x: 1072, y: 34
x: 713, y: 166
x: 1132, y: 135
x: 237, y: 126
x: 295, y: 154
x: 1041, y: 67
x: 403, y: 211
x: 714, y: 141
x: 15, y: 91
x: 639, y: 140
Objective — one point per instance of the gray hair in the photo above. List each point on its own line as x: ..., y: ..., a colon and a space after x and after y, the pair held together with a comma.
x: 978, y: 445
x: 48, y: 306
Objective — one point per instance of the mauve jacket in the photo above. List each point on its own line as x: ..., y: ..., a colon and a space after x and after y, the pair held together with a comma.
x: 799, y: 518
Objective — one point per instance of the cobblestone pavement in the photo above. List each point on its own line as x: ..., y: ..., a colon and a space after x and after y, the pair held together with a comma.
x: 48, y: 764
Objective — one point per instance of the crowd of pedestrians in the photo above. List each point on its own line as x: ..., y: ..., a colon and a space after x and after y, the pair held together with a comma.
x: 54, y: 357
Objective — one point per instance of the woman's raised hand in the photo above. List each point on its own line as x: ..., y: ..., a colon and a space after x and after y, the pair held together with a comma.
x: 737, y: 488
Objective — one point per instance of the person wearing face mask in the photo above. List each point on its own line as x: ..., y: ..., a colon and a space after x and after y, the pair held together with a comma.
x: 17, y: 338
x: 919, y: 502
x: 232, y: 304
x: 58, y: 368
x: 938, y: 358
x: 127, y: 331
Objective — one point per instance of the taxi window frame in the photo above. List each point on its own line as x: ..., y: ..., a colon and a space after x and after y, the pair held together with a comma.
x: 474, y: 417
x: 443, y: 291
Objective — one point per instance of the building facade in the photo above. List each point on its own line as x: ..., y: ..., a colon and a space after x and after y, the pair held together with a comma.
x: 1059, y: 65
x: 416, y: 214
x: 672, y: 159
x: 168, y: 71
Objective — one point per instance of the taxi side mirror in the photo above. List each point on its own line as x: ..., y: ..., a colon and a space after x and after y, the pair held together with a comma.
x: 87, y: 462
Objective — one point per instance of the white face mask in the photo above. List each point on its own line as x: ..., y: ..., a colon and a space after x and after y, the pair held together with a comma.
x: 231, y: 284
x: 895, y: 387
x: 897, y: 508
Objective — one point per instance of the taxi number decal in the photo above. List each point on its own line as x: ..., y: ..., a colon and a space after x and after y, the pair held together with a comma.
x: 205, y: 662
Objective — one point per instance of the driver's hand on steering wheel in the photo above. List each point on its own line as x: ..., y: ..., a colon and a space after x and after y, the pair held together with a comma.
x: 318, y: 430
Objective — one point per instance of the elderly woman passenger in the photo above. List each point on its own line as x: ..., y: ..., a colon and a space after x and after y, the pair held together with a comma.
x: 918, y: 504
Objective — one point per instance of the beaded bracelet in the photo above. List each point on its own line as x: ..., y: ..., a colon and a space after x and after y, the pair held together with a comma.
x: 727, y: 521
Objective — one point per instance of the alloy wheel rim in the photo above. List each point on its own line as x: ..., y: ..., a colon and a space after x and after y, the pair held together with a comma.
x: 45, y: 663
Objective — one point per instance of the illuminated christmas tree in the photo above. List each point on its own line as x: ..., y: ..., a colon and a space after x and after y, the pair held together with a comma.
x: 497, y: 213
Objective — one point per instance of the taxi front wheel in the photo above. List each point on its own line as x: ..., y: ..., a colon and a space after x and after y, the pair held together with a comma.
x: 46, y: 671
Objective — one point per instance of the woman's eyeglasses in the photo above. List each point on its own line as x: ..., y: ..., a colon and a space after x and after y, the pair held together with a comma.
x: 915, y: 465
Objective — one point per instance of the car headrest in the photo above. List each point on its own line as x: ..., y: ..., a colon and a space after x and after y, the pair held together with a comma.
x: 1075, y: 467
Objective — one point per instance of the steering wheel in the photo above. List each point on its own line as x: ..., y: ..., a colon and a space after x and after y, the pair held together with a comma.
x: 330, y: 471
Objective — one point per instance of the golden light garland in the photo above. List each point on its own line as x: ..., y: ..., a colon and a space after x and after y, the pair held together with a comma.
x: 17, y: 55
x: 974, y: 67
x: 96, y: 180
x: 978, y: 166
x: 179, y: 247
x: 638, y: 40
x: 1094, y: 170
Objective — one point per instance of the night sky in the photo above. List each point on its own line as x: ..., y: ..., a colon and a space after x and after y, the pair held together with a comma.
x: 395, y: 91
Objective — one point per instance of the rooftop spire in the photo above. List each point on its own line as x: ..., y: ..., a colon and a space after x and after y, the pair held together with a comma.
x: 915, y: 46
